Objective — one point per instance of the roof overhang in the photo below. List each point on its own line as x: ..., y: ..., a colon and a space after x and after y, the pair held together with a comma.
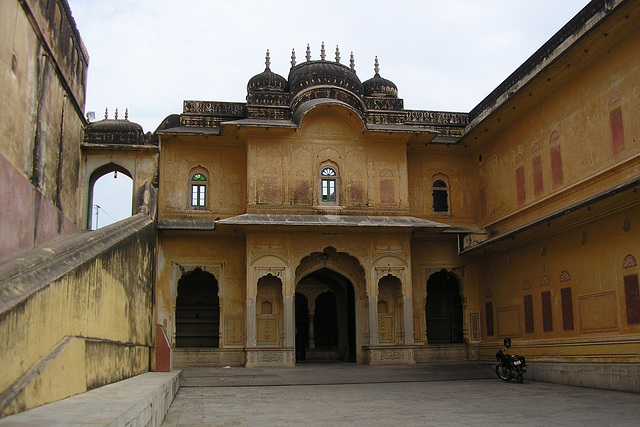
x: 357, y: 221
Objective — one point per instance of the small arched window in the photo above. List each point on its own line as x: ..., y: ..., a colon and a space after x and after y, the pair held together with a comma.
x: 328, y: 185
x: 440, y: 197
x: 198, y: 190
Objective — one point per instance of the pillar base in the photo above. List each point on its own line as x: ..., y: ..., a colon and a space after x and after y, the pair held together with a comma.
x: 387, y: 355
x: 271, y: 356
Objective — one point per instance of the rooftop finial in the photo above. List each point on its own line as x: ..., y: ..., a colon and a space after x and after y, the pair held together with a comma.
x: 267, y: 61
x: 352, y: 63
x: 376, y: 67
x: 106, y: 113
x: 126, y: 114
x: 322, y: 53
x: 337, y: 54
x: 293, y: 58
x: 308, y: 56
x: 116, y: 113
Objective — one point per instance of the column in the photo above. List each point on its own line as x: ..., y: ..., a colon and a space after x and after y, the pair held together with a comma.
x: 408, y: 320
x: 251, y: 322
x: 373, y: 320
x: 289, y: 322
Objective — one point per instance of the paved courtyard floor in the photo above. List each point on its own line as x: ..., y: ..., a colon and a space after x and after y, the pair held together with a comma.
x: 414, y: 395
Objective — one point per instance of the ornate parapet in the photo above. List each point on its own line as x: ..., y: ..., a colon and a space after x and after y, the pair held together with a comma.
x: 388, y: 355
x: 271, y: 356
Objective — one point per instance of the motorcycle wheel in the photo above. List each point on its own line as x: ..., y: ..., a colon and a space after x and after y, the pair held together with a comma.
x: 519, y: 377
x: 503, y: 372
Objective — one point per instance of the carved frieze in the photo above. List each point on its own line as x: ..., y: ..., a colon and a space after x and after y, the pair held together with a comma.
x: 436, y: 118
x: 270, y: 357
x: 268, y: 98
x: 234, y: 109
x: 385, y: 118
x: 200, y: 121
x: 392, y: 355
x: 383, y: 103
x: 268, y: 113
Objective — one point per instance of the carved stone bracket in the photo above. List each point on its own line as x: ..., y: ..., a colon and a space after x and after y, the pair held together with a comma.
x: 393, y: 271
x: 274, y: 271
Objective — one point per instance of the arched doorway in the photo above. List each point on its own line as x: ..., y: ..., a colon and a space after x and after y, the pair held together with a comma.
x: 198, y: 310
x: 110, y: 196
x: 326, y: 324
x: 443, y: 310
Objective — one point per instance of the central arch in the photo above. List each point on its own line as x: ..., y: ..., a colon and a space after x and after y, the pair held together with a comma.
x: 325, y: 317
x: 331, y: 307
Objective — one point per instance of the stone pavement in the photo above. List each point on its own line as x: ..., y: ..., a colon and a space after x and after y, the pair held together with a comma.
x: 329, y: 394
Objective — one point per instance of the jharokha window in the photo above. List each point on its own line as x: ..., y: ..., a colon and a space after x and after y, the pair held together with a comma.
x: 198, y: 190
x: 440, y: 197
x: 328, y: 185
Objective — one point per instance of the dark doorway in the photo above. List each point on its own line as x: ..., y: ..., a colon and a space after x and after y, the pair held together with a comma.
x: 302, y: 326
x: 325, y: 317
x: 444, y: 309
x: 197, y: 310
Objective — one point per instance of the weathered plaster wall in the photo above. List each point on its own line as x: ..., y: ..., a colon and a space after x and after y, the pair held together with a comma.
x: 429, y: 256
x: 42, y: 78
x: 140, y: 164
x: 181, y: 252
x: 457, y: 170
x: 579, y: 140
x: 222, y: 160
x: 76, y: 314
x: 284, y: 170
x: 582, y: 271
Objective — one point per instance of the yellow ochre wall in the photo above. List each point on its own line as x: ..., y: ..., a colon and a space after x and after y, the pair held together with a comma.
x: 576, y: 116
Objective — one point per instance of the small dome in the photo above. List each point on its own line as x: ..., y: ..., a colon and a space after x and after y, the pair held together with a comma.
x: 267, y: 80
x: 114, y: 131
x: 114, y: 126
x: 379, y: 87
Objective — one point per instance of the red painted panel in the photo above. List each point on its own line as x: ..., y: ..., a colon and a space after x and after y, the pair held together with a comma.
x: 528, y: 314
x: 547, y: 317
x: 556, y: 165
x: 387, y: 191
x: 520, y: 185
x: 537, y: 175
x: 163, y: 351
x: 617, y: 129
x: 567, y: 309
x: 632, y: 299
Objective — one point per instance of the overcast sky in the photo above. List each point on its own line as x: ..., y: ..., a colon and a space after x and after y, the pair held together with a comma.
x: 150, y: 55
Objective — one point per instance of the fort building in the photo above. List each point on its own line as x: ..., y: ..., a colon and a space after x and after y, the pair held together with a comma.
x: 321, y: 220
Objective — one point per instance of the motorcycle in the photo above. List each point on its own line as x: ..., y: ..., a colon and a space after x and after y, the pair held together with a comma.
x: 510, y: 366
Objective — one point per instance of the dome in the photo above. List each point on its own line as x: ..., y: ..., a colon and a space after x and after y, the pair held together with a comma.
x: 321, y: 73
x: 267, y: 80
x: 114, y: 131
x: 119, y: 126
x: 379, y: 87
